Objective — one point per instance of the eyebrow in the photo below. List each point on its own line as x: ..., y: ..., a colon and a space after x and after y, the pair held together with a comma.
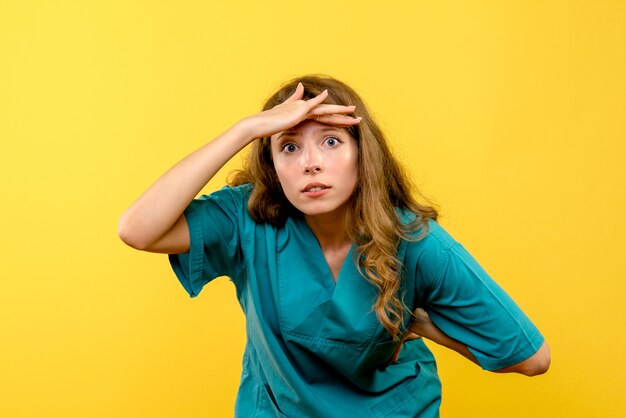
x: 293, y: 133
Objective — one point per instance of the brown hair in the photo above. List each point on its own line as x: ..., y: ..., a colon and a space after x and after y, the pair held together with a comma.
x: 382, y: 186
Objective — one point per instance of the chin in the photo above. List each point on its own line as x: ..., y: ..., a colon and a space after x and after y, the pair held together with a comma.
x: 319, y: 210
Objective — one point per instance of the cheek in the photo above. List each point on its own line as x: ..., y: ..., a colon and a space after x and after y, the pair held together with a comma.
x: 347, y: 164
x: 354, y: 172
x: 278, y: 164
x: 284, y: 173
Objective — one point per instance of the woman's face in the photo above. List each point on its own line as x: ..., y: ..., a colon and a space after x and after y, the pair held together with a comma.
x: 317, y: 167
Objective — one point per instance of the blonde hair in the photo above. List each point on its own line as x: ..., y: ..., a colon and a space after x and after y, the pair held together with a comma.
x: 382, y: 188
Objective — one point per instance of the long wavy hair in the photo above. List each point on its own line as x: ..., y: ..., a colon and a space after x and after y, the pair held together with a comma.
x: 382, y: 187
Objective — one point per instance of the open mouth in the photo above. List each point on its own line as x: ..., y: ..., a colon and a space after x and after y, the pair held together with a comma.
x: 315, y: 187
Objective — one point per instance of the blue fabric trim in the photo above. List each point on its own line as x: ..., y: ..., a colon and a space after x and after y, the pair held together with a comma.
x: 188, y: 266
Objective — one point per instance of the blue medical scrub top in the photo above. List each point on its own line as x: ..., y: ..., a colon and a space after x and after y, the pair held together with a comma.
x: 315, y: 348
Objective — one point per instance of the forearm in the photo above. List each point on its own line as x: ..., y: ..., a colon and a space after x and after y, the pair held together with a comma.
x: 162, y: 204
x: 537, y: 364
x: 434, y: 334
x: 159, y: 208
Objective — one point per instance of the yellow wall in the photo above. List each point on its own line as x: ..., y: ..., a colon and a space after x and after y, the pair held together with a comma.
x: 511, y: 115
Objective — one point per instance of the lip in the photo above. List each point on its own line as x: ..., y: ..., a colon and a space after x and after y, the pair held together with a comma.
x: 311, y: 185
x: 317, y: 193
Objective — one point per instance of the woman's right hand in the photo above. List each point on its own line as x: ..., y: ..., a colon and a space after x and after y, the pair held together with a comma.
x: 295, y: 110
x: 156, y: 222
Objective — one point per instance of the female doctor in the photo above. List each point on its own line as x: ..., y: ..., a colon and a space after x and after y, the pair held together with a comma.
x: 338, y: 269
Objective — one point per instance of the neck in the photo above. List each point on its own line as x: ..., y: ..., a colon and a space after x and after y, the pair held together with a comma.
x: 329, y: 229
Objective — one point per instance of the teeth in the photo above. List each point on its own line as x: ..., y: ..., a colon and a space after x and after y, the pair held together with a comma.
x: 315, y: 189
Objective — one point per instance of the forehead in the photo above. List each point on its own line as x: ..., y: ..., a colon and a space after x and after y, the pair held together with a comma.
x: 309, y: 127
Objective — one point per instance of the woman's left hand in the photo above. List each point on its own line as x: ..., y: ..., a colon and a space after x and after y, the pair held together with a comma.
x: 422, y: 326
x: 418, y: 327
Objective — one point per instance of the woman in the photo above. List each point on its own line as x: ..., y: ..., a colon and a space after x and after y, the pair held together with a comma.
x: 338, y: 270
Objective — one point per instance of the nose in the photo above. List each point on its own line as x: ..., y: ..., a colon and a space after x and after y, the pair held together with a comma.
x: 312, y: 161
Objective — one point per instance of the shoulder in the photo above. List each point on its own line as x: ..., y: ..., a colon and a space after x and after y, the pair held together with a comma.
x: 428, y: 234
x: 228, y: 198
x: 235, y: 193
x: 227, y: 201
x: 427, y: 251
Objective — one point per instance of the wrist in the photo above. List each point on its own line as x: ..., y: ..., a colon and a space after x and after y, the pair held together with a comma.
x: 244, y: 128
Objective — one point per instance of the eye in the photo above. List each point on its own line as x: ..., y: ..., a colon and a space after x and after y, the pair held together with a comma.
x: 289, y: 148
x: 331, y: 141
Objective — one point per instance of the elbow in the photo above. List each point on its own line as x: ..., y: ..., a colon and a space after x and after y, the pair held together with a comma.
x: 540, y: 362
x: 127, y: 236
x: 537, y: 364
x: 540, y: 368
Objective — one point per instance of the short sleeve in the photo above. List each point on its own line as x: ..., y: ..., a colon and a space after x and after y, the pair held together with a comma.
x: 214, y: 244
x: 469, y: 306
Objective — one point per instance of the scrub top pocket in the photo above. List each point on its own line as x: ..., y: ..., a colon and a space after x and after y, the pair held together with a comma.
x: 267, y: 403
x: 420, y: 394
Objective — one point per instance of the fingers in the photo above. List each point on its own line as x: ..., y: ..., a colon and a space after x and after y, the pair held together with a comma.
x: 314, y: 109
x: 412, y: 336
x: 299, y: 92
x: 297, y: 95
x: 408, y: 336
x: 333, y: 114
x: 317, y: 100
x: 323, y: 109
x: 420, y: 316
x: 338, y: 120
x: 396, y: 354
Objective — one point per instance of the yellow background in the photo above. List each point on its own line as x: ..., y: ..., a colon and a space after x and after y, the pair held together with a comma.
x: 510, y: 115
